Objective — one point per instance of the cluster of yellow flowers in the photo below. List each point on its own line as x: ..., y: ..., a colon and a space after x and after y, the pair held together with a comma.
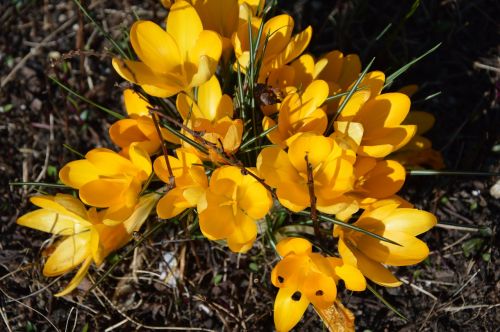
x: 330, y: 128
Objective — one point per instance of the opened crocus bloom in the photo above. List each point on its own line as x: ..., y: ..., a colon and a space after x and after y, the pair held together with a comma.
x: 381, y: 117
x: 299, y: 113
x: 231, y: 207
x: 190, y: 182
x: 376, y: 179
x: 281, y: 47
x: 371, y: 255
x: 105, y: 179
x: 139, y: 127
x: 86, y: 239
x: 310, y: 156
x: 305, y: 277
x: 178, y: 59
x: 211, y: 115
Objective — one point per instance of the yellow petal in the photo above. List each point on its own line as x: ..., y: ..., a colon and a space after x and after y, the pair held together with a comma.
x: 103, y: 192
x: 245, y: 231
x: 289, y: 306
x: 184, y: 25
x: 52, y: 222
x: 279, y: 28
x: 135, y: 104
x: 374, y: 81
x: 216, y: 221
x: 141, y: 161
x: 315, y: 93
x: 155, y: 47
x: 353, y: 278
x: 255, y: 200
x: 209, y: 95
x: 77, y: 173
x: 124, y: 132
x: 172, y: 204
x: 77, y: 279
x: 209, y: 45
x: 385, y: 179
x: 275, y: 167
x: 388, y: 140
x: 375, y: 271
x: 315, y: 147
x: 69, y: 254
x: 303, y: 70
x: 411, y: 251
x: 108, y: 162
x: 294, y: 196
x: 294, y: 48
x: 423, y: 120
x: 333, y: 68
x: 296, y: 245
x: 320, y: 289
x: 386, y: 110
x: 138, y: 73
x: 410, y: 221
x: 351, y: 67
x: 353, y: 106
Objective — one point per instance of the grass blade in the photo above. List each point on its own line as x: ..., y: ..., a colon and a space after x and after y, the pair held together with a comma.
x: 390, y: 79
x: 253, y: 139
x: 350, y: 226
x: 426, y: 172
x: 88, y: 101
x: 40, y: 184
x: 385, y: 302
x: 349, y: 95
x: 101, y: 30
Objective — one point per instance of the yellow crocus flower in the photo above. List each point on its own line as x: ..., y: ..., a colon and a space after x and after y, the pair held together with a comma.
x: 371, y: 256
x: 105, y: 179
x: 139, y: 127
x: 331, y: 169
x: 299, y: 113
x: 211, y: 116
x: 231, y: 206
x: 178, y: 59
x: 86, y: 239
x: 281, y: 48
x: 305, y: 277
x: 190, y: 182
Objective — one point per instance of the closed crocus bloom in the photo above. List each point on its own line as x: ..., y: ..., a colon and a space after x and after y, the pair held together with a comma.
x: 376, y: 179
x: 178, y: 59
x: 305, y: 277
x: 139, y: 127
x: 381, y: 118
x: 371, y: 255
x: 231, y: 207
x: 85, y: 238
x: 281, y: 47
x: 105, y: 179
x: 331, y: 169
x: 211, y: 115
x: 190, y: 182
x: 299, y: 113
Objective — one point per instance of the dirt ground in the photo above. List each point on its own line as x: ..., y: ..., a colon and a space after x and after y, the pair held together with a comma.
x: 456, y: 289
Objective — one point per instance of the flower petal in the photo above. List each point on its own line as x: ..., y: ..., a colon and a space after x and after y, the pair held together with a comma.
x: 77, y: 279
x: 155, y: 47
x: 296, y: 245
x: 184, y: 25
x: 69, y: 254
x: 289, y: 306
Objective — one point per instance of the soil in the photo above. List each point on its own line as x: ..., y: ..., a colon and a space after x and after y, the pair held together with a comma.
x: 456, y: 289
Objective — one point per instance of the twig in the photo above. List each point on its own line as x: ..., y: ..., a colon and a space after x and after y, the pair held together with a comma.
x: 171, y: 177
x: 312, y: 197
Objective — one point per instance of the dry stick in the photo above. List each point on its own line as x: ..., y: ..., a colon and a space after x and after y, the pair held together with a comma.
x: 32, y: 51
x: 171, y: 178
x: 312, y: 196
